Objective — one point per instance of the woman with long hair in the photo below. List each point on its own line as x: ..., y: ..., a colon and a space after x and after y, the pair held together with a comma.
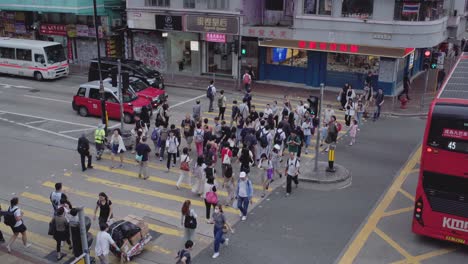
x: 220, y: 223
x: 118, y: 147
x: 188, y: 221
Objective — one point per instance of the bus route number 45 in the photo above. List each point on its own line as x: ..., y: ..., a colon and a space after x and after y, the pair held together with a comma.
x: 452, y: 145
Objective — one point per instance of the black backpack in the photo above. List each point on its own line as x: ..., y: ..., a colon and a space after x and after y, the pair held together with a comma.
x: 9, y: 217
x: 277, y: 138
x: 262, y: 138
x: 209, y: 92
x: 190, y: 222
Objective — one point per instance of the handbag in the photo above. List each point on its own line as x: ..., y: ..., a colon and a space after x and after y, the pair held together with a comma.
x: 212, y: 198
x: 225, y: 229
x: 52, y: 227
x: 226, y: 159
x: 138, y: 158
x: 184, y: 165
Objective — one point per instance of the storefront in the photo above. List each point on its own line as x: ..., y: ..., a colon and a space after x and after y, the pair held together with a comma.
x: 219, y: 39
x: 16, y: 25
x: 333, y: 64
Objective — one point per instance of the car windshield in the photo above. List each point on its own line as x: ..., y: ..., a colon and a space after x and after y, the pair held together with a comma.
x: 128, y: 96
x: 139, y: 86
x: 55, y: 54
x: 145, y: 69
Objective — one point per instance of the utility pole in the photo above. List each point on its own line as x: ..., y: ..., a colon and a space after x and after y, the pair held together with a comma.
x: 84, y: 235
x: 119, y: 84
x: 101, y: 85
x: 239, y: 62
x: 425, y: 89
x: 317, y: 140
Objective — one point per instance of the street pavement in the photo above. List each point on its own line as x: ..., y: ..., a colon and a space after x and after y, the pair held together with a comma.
x: 38, y: 133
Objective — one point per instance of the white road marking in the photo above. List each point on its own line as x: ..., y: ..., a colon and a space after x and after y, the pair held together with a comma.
x: 48, y: 119
x: 35, y: 122
x: 8, y: 86
x: 48, y: 99
x: 189, y: 100
x: 40, y: 129
x: 75, y: 130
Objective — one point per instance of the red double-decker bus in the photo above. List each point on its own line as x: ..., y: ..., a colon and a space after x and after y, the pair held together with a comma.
x: 441, y: 206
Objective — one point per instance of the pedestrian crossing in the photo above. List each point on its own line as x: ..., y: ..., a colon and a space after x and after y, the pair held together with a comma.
x: 157, y: 200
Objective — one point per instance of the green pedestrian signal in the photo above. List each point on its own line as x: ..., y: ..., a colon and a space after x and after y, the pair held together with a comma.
x: 433, y: 65
x: 243, y: 50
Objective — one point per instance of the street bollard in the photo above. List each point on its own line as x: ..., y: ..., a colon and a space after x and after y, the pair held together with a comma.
x: 331, y: 158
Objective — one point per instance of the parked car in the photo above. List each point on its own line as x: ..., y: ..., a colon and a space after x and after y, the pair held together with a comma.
x: 135, y: 68
x: 142, y: 89
x: 87, y: 102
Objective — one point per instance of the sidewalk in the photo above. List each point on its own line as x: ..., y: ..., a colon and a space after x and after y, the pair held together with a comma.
x: 16, y: 257
x: 277, y: 89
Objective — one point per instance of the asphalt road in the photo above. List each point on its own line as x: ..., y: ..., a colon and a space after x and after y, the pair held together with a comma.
x: 37, y: 133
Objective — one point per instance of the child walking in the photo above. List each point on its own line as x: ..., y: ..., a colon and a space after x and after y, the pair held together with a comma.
x: 266, y: 164
x: 353, y: 131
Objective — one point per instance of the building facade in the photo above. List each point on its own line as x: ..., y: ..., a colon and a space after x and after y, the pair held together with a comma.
x: 68, y: 22
x: 300, y: 41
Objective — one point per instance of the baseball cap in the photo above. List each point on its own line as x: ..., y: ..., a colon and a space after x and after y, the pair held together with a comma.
x: 242, y: 174
x: 277, y: 147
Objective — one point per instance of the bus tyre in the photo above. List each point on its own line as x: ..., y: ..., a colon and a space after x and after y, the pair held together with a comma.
x: 127, y: 118
x: 38, y: 76
x: 83, y: 111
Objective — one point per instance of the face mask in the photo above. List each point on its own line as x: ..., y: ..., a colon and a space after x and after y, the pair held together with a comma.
x: 216, y: 210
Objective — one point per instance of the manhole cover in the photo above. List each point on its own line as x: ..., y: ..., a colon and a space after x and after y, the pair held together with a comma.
x: 34, y: 90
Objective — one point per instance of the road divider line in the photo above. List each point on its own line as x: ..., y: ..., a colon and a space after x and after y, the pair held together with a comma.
x: 153, y: 193
x: 149, y: 208
x: 36, y: 122
x: 47, y: 98
x: 174, y: 170
x: 394, y: 244
x: 362, y: 236
x: 89, y: 212
x: 48, y: 119
x: 39, y: 129
x: 186, y: 101
x: 398, y: 211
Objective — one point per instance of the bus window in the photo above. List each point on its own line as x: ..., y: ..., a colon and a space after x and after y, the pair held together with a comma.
x: 23, y: 54
x: 7, y: 53
x: 39, y: 58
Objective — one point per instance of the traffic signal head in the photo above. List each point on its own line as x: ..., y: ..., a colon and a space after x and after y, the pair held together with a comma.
x: 243, y: 50
x: 434, y: 60
x: 427, y: 59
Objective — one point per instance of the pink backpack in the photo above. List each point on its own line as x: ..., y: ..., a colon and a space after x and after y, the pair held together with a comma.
x: 246, y: 78
x: 212, y: 197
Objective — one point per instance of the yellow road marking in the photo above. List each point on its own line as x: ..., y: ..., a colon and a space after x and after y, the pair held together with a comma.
x: 358, y: 242
x: 161, y: 249
x: 408, y: 195
x: 174, y: 170
x: 149, y: 192
x: 429, y: 255
x: 141, y: 206
x: 392, y: 243
x: 398, y: 211
x: 89, y: 212
x: 68, y: 174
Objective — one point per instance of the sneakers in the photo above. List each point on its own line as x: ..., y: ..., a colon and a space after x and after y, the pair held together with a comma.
x: 90, y: 167
x: 8, y: 248
x: 287, y: 194
x: 160, y: 159
x: 27, y: 245
x: 244, y: 218
x: 226, y: 242
x: 215, y: 255
x: 241, y: 215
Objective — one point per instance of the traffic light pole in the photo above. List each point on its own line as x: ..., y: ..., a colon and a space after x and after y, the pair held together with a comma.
x: 239, y: 63
x: 119, y: 84
x: 101, y: 85
x: 317, y: 140
x: 83, y: 235
x: 425, y: 89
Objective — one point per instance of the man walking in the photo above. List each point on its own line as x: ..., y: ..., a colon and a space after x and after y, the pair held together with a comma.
x: 99, y: 139
x: 221, y: 104
x: 196, y: 111
x: 244, y: 194
x: 103, y: 243
x: 440, y: 78
x: 83, y: 149
x: 56, y: 196
x: 293, y: 142
x: 247, y: 80
x: 188, y: 126
x: 379, y: 100
x: 292, y: 172
x: 210, y: 94
x: 142, y: 150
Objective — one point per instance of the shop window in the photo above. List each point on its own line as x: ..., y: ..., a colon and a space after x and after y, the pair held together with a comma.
x: 418, y: 10
x: 163, y: 3
x: 7, y: 53
x: 317, y: 7
x: 287, y: 57
x: 357, y: 8
x: 189, y: 3
x: 341, y: 62
x: 218, y: 4
x: 220, y: 57
x: 23, y: 54
x: 275, y: 5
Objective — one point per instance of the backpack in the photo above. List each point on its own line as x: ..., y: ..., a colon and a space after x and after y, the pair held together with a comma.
x: 277, y: 138
x: 246, y: 79
x: 235, y: 111
x: 155, y: 134
x: 209, y: 92
x: 190, y: 222
x: 211, y: 197
x: 220, y: 101
x: 338, y: 127
x: 181, y: 254
x: 198, y: 136
x: 247, y: 97
x: 207, y: 135
x: 285, y: 112
x: 262, y: 138
x: 9, y: 217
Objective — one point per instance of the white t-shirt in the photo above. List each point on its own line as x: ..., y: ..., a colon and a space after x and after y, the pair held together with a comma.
x: 293, y: 167
x: 103, y: 243
x: 17, y: 214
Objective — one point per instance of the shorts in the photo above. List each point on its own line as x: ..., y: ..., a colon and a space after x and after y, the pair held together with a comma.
x: 19, y: 229
x: 115, y: 149
x: 269, y: 174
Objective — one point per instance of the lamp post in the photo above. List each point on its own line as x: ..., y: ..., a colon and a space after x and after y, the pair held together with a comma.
x: 101, y: 85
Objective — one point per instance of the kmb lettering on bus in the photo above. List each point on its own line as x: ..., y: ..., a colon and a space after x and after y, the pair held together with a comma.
x: 455, y: 224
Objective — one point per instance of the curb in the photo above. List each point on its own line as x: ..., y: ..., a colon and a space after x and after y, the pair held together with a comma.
x: 341, y: 169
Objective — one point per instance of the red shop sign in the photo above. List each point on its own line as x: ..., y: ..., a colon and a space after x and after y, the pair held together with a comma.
x: 216, y: 37
x: 52, y: 29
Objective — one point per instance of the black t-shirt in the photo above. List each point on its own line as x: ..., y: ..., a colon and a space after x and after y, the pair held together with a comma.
x: 104, y: 209
x: 209, y: 172
x: 185, y: 253
x: 143, y: 149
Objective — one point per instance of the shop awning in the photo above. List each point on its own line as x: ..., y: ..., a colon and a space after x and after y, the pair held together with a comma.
x: 337, y: 47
